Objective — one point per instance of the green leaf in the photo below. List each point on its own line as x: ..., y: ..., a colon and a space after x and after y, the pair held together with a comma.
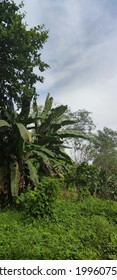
x: 15, y: 176
x: 65, y: 156
x: 49, y: 140
x: 47, y: 106
x: 24, y: 132
x: 40, y: 155
x: 32, y: 171
x: 58, y: 112
x: 42, y: 149
x: 68, y: 122
x: 70, y: 133
x: 4, y: 123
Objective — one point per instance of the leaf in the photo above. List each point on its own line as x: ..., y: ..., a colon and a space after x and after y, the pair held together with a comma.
x: 42, y: 149
x: 48, y: 103
x: 65, y: 156
x: 47, y: 106
x: 68, y: 122
x: 4, y: 123
x: 52, y: 119
x: 24, y: 132
x: 71, y: 134
x: 49, y: 139
x: 32, y: 171
x: 58, y: 112
x: 31, y: 120
x: 15, y: 176
x: 40, y: 155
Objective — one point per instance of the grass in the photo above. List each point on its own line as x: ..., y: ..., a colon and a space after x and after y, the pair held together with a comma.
x: 78, y: 230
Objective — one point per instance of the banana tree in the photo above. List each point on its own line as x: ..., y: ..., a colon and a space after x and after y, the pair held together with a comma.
x: 24, y: 155
x: 13, y: 137
x: 49, y: 135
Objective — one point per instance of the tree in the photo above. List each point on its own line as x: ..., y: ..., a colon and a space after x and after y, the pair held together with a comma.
x: 84, y: 124
x: 19, y: 55
x: 104, y: 149
x: 49, y: 135
x: 103, y: 154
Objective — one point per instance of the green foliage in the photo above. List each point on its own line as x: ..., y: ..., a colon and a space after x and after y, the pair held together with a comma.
x: 79, y: 231
x: 112, y: 187
x: 49, y: 134
x: 87, y: 179
x: 24, y: 132
x: 19, y: 54
x: 84, y: 124
x: 41, y: 200
x: 32, y: 172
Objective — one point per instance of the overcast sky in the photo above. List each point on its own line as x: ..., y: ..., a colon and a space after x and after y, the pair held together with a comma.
x: 82, y: 53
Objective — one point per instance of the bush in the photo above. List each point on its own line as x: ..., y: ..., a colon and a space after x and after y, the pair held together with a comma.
x: 41, y: 200
x: 87, y: 179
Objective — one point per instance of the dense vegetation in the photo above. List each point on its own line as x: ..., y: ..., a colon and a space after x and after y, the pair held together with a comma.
x: 53, y: 205
x: 78, y: 230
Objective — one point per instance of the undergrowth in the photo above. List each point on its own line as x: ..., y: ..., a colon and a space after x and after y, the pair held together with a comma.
x: 78, y: 230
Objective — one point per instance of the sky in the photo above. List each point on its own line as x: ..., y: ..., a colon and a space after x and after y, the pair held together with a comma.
x: 82, y: 53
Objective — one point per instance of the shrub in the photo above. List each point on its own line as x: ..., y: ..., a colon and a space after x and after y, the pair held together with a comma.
x: 41, y: 200
x: 87, y: 179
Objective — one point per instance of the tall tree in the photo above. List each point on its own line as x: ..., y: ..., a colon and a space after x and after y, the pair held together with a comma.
x: 20, y: 49
x: 19, y: 55
x: 102, y: 152
x: 104, y: 149
x: 84, y: 124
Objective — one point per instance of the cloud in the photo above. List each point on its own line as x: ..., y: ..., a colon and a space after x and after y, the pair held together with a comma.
x: 81, y: 51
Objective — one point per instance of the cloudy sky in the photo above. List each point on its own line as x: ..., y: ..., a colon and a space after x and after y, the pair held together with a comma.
x: 82, y: 53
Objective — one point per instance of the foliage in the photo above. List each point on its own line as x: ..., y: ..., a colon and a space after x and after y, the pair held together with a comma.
x: 103, y: 153
x: 83, y: 123
x: 87, y: 179
x: 41, y: 200
x: 104, y: 146
x: 49, y: 135
x: 19, y: 55
x: 21, y: 155
x: 79, y: 231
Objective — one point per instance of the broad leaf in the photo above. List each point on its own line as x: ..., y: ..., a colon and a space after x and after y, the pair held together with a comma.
x: 32, y: 171
x: 39, y: 154
x: 68, y: 122
x: 49, y: 140
x: 36, y: 148
x: 58, y: 112
x: 24, y: 132
x: 4, y: 123
x: 47, y: 107
x: 70, y: 134
x: 65, y: 156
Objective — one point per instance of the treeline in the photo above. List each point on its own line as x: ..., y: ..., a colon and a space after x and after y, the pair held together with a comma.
x: 95, y: 156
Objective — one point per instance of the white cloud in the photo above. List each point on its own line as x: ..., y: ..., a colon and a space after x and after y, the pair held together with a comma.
x: 81, y: 51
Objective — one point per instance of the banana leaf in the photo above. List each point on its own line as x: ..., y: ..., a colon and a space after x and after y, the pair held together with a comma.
x: 4, y: 123
x: 34, y: 147
x: 47, y: 107
x: 32, y: 171
x: 70, y: 134
x: 24, y: 132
